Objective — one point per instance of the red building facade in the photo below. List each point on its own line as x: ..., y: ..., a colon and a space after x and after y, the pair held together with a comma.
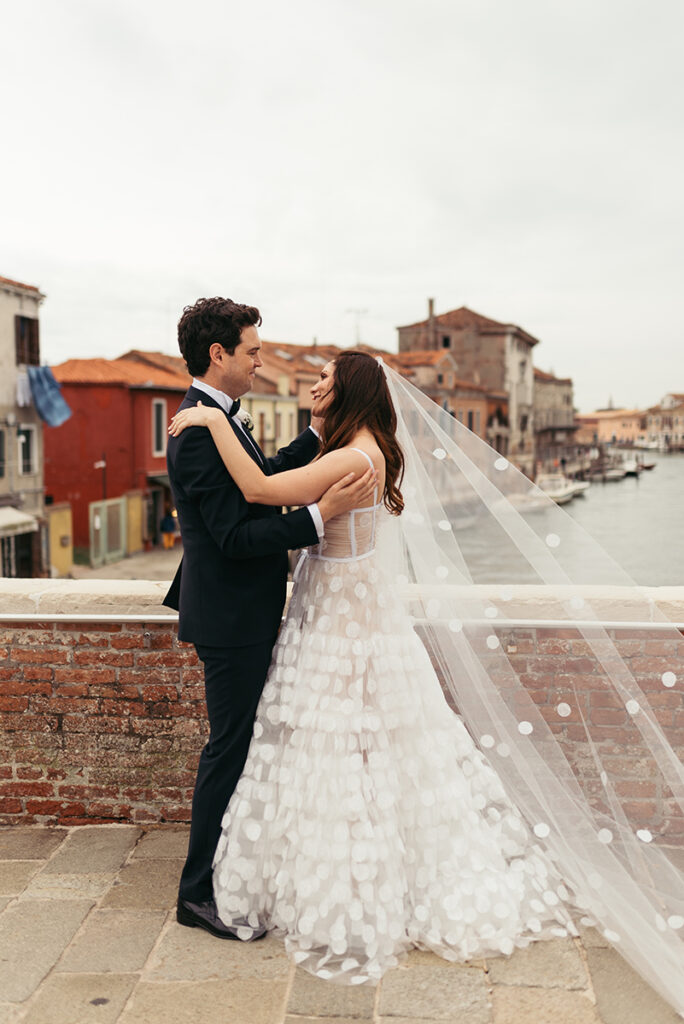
x: 115, y: 441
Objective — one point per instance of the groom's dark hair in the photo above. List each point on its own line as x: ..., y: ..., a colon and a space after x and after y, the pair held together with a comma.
x: 210, y: 321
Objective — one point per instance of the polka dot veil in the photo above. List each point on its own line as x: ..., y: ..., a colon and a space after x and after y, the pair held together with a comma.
x: 564, y: 672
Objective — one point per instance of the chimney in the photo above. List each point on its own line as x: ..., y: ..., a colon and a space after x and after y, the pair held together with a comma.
x: 431, y: 339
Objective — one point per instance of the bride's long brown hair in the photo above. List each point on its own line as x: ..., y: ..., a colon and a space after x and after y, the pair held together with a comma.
x: 361, y: 398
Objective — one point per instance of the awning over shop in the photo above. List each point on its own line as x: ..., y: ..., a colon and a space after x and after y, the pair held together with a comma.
x: 13, y: 522
x: 159, y: 479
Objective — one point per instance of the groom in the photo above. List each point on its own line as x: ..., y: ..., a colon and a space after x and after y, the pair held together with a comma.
x: 230, y: 586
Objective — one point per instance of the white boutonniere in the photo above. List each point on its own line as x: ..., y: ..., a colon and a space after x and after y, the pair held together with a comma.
x: 245, y: 419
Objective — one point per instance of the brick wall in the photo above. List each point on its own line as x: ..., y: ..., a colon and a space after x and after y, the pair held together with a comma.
x: 99, y: 723
x: 105, y: 721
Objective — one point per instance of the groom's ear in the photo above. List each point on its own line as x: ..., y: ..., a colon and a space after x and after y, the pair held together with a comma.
x: 217, y: 353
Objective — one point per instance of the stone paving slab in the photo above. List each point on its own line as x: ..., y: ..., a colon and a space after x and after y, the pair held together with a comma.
x: 69, y: 887
x: 162, y: 843
x: 207, y: 1002
x: 59, y: 954
x: 15, y: 875
x: 622, y: 997
x: 591, y: 938
x: 311, y: 995
x: 94, y: 849
x: 424, y: 956
x: 119, y: 941
x: 191, y: 954
x: 33, y: 935
x: 29, y: 842
x: 456, y: 994
x: 553, y: 963
x: 146, y: 884
x: 80, y: 999
x: 292, y: 1019
x: 412, y: 1020
x: 544, y: 1006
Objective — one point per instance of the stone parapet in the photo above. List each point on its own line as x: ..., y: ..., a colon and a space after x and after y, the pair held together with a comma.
x: 126, y: 599
x: 102, y: 714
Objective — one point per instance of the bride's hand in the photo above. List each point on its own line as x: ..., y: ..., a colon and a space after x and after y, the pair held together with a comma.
x: 196, y: 416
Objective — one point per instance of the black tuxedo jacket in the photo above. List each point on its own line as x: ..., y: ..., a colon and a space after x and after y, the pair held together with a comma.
x: 230, y: 586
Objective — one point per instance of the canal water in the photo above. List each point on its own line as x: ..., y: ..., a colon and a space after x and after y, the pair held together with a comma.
x: 637, y: 521
x: 640, y: 520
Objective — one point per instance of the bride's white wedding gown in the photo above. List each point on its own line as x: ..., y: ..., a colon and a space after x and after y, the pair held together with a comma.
x: 366, y: 820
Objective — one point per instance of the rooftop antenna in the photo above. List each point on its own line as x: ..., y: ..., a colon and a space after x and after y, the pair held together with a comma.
x: 358, y: 313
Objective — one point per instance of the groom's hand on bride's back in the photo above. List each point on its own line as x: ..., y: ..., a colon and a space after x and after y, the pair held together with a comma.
x: 352, y: 491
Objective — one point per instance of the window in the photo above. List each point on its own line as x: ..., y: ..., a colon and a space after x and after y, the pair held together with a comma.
x: 159, y: 426
x: 26, y: 341
x: 2, y: 453
x: 446, y: 341
x: 470, y: 419
x: 26, y: 457
x: 277, y: 425
x: 440, y: 378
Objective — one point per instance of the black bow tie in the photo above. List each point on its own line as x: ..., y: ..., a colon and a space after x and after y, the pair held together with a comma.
x: 235, y: 407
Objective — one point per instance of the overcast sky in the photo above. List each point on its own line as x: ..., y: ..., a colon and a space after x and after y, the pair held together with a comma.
x: 315, y: 157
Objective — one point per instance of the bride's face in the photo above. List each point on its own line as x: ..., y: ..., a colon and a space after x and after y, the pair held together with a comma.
x: 321, y: 392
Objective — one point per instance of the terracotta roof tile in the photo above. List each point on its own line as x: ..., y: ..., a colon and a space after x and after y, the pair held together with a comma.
x: 464, y: 317
x: 18, y: 284
x: 118, y: 371
x: 176, y: 364
x: 608, y: 414
x: 542, y: 375
x: 423, y: 357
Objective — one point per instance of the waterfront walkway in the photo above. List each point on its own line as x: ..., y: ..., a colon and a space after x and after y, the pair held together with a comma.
x: 88, y: 936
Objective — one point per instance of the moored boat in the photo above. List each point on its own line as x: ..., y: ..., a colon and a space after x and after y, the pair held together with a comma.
x: 557, y: 486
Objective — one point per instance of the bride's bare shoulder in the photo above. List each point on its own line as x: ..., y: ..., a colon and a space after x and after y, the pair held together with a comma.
x: 369, y: 446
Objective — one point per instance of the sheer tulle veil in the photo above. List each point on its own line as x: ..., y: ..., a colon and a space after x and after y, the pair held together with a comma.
x: 564, y: 671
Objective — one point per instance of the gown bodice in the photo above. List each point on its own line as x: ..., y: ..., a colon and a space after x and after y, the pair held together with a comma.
x: 351, y: 535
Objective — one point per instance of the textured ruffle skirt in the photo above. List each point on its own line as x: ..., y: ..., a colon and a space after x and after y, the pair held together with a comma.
x: 366, y: 821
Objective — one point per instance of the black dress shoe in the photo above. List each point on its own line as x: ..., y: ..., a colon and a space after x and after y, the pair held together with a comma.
x: 205, y: 915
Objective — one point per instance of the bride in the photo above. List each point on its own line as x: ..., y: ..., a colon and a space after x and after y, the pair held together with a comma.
x: 369, y: 819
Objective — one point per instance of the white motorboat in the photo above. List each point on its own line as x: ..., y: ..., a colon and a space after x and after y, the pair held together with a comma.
x: 557, y: 486
x: 581, y: 487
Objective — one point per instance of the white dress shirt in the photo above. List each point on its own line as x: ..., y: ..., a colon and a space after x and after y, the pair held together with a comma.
x: 226, y: 403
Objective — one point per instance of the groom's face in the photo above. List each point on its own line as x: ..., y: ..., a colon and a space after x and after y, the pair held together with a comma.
x: 239, y: 369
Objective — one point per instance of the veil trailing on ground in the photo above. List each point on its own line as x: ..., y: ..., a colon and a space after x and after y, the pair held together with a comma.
x: 564, y: 671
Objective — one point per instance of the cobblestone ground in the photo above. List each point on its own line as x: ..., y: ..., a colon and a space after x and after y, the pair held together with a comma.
x: 88, y: 934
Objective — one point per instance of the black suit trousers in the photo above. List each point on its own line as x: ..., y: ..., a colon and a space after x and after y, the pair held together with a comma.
x: 234, y: 678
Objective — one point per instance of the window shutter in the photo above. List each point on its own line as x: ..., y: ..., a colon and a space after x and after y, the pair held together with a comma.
x: 34, y: 344
x: 26, y: 341
x: 19, y: 338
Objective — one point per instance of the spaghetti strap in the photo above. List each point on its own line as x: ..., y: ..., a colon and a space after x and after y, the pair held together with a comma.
x: 370, y: 461
x: 372, y: 466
